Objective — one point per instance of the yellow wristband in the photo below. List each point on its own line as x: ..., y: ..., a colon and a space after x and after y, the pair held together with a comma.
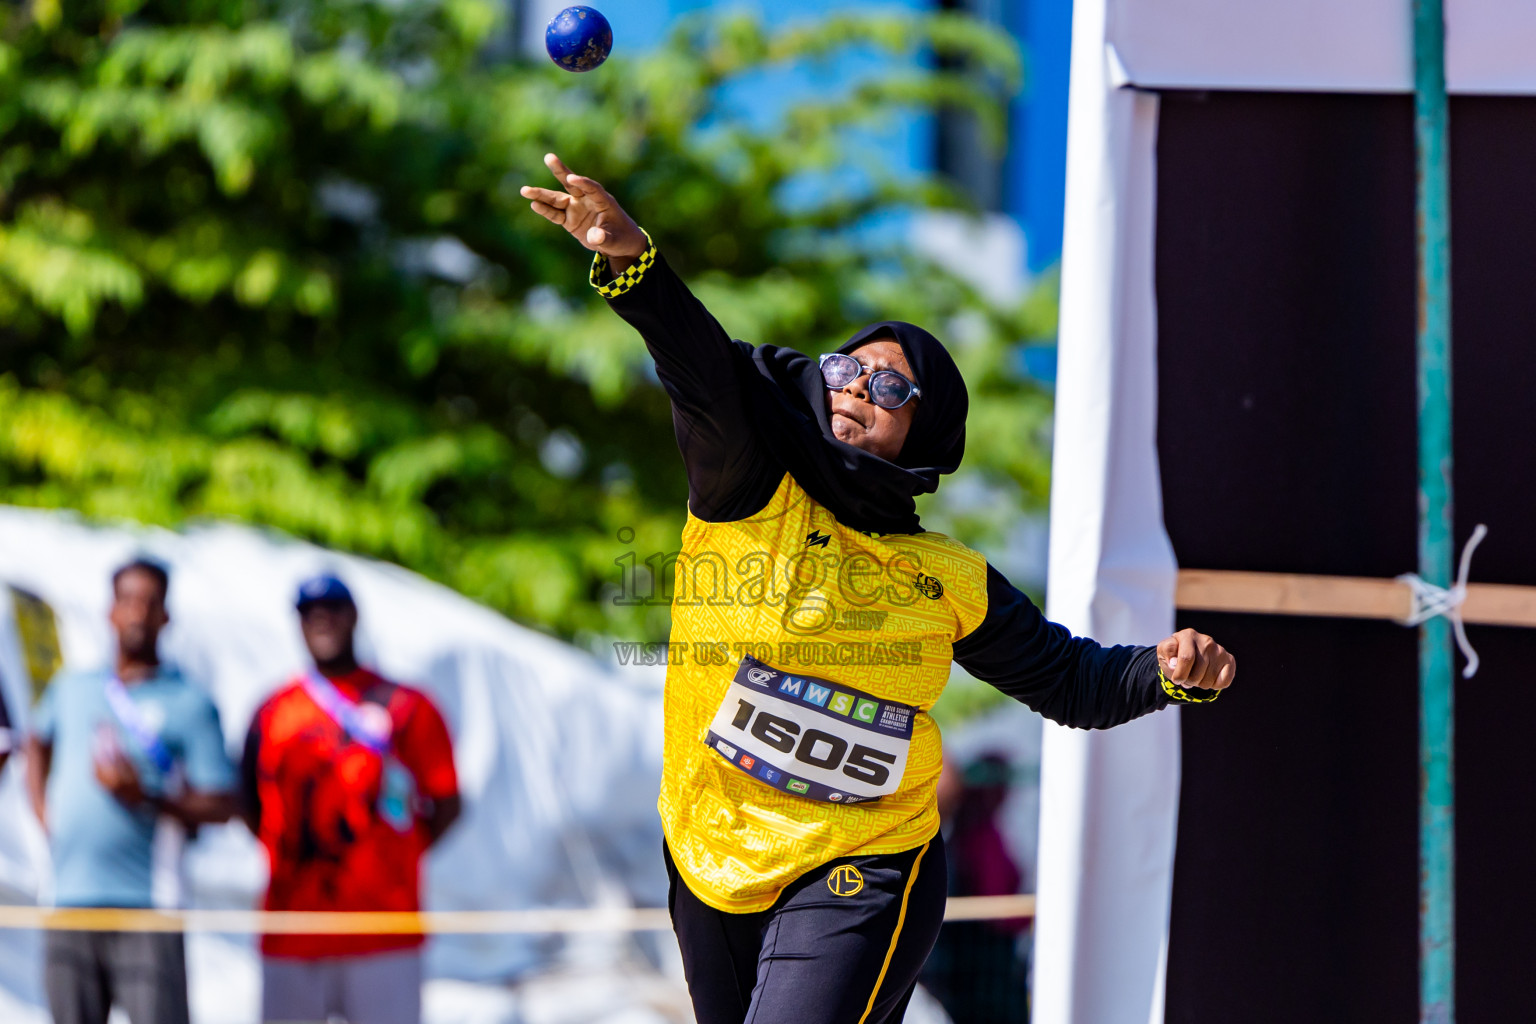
x: 627, y: 280
x: 1182, y: 695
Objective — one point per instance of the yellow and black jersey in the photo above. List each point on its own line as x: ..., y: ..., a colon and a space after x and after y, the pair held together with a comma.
x: 806, y: 654
x: 796, y: 591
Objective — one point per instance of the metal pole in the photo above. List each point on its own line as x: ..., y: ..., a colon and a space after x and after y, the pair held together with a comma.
x: 1437, y: 951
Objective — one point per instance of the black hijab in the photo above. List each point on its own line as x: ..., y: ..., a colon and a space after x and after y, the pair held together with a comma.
x: 788, y: 401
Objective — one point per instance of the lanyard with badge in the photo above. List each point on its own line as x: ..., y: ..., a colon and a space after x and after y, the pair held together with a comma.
x: 166, y: 883
x: 133, y: 720
x: 365, y: 723
x: 369, y: 724
x: 811, y: 737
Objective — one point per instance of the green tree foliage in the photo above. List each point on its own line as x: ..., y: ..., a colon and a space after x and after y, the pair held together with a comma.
x: 267, y: 261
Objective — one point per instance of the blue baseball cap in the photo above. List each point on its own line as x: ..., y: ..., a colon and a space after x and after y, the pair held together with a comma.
x: 322, y: 588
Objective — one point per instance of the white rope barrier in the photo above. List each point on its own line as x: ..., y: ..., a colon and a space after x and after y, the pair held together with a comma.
x: 1430, y: 600
x: 431, y: 922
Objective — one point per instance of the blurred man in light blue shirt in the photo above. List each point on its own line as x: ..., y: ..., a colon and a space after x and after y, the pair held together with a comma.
x: 120, y: 761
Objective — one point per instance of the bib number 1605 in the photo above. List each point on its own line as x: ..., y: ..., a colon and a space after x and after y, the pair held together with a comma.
x: 815, y: 747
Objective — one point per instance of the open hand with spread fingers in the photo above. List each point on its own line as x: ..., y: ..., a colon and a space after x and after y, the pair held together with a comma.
x: 592, y: 216
x: 1191, y: 659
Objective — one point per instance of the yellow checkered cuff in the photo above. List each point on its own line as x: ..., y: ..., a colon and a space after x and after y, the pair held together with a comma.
x: 625, y: 281
x: 1180, y: 694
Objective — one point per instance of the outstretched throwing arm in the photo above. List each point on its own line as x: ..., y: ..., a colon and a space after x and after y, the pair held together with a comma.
x: 730, y: 475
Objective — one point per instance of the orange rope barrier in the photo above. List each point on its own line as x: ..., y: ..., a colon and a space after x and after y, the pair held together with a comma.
x: 431, y: 922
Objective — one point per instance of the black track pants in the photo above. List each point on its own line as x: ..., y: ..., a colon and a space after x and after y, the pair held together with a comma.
x: 842, y: 945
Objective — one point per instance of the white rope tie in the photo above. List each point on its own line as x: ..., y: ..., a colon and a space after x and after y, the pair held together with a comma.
x: 1430, y: 600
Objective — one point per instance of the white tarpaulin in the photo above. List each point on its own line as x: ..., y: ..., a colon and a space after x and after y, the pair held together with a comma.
x: 1317, y: 45
x: 1109, y: 800
x: 558, y: 758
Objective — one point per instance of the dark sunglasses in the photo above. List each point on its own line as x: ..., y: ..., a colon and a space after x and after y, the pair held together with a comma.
x: 887, y: 388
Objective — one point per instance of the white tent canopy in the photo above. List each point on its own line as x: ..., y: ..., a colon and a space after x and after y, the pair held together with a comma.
x: 1108, y: 800
x: 1314, y: 45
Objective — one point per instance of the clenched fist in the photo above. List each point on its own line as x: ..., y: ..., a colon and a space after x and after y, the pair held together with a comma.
x: 1191, y: 659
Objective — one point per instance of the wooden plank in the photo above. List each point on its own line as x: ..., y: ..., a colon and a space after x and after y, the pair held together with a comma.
x: 1499, y: 604
x: 1275, y: 593
x: 1348, y: 597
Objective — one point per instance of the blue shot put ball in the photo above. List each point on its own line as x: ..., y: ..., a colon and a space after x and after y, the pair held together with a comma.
x: 578, y: 39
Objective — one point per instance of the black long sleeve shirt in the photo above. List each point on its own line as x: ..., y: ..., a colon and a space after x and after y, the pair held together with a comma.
x: 731, y: 476
x: 7, y: 736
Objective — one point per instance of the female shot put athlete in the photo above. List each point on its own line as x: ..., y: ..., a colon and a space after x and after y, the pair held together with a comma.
x: 798, y: 794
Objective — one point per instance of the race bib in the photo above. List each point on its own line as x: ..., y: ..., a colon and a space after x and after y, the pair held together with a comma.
x: 810, y: 737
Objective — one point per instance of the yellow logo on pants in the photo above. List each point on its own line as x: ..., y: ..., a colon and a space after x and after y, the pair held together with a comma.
x: 845, y: 880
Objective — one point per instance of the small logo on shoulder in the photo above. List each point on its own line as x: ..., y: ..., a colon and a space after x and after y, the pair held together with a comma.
x: 816, y: 539
x: 845, y: 880
x: 929, y: 586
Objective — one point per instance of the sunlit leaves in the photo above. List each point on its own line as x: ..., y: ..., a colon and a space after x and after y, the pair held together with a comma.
x: 201, y: 61
x: 53, y: 254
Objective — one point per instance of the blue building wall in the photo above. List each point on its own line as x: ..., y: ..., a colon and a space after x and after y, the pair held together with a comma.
x: 1035, y: 172
x: 1034, y: 167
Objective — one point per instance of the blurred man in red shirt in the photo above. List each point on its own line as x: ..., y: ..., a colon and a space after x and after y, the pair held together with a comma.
x: 348, y: 779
